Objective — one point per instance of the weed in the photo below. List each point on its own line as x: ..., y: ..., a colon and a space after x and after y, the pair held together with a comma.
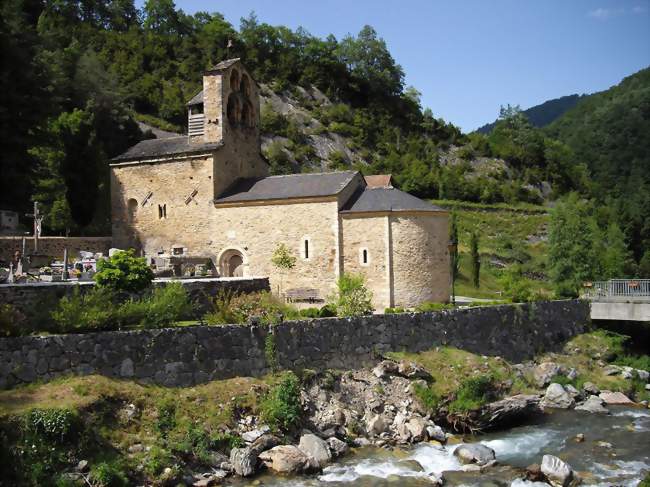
x: 473, y: 393
x: 280, y: 408
x: 429, y: 400
x: 166, y: 420
x: 106, y: 474
x: 270, y: 353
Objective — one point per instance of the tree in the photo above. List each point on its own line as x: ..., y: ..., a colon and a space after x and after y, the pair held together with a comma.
x: 284, y: 260
x: 615, y: 257
x: 453, y: 239
x: 475, y: 259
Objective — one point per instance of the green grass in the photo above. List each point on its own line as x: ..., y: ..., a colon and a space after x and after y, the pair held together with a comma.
x: 504, y: 233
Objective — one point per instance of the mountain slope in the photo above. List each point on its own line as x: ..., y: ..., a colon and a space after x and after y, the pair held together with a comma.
x: 543, y: 114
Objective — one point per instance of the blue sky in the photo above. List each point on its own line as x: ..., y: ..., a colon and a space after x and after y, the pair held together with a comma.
x: 469, y: 57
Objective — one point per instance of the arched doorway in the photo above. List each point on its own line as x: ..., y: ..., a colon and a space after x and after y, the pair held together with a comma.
x: 231, y: 263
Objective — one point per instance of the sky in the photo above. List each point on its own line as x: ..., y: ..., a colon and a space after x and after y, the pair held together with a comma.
x: 469, y: 57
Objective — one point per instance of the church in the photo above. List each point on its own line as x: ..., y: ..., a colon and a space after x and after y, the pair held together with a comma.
x: 208, y: 193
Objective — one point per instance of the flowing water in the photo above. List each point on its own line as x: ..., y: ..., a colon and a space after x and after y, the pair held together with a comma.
x: 624, y: 463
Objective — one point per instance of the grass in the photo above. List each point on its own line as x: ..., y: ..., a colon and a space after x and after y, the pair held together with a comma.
x: 505, y: 233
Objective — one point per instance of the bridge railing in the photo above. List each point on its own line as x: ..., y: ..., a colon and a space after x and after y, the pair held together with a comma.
x: 618, y: 288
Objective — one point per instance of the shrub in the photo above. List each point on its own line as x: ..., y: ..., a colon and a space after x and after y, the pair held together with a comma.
x: 327, y: 311
x: 165, y: 306
x: 427, y: 397
x: 428, y: 306
x: 166, y: 420
x: 12, y: 321
x: 280, y: 408
x: 124, y: 272
x: 473, y: 393
x: 157, y: 459
x: 240, y: 308
x: 392, y: 311
x: 92, y: 311
x: 106, y: 474
x: 353, y: 298
x: 223, y: 312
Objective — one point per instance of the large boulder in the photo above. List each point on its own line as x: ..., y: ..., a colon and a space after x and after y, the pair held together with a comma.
x: 593, y: 404
x: 557, y: 397
x: 615, y: 398
x: 590, y: 388
x: 411, y: 370
x: 286, y: 459
x: 544, y: 373
x: 508, y: 410
x: 315, y: 448
x: 475, y: 453
x: 557, y: 472
x: 375, y: 425
x: 435, y: 432
x: 244, y: 460
x: 385, y: 368
x: 337, y: 447
x: 417, y: 427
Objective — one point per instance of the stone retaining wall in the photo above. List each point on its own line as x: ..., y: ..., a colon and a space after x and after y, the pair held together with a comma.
x: 36, y: 300
x: 197, y: 354
x: 54, y: 246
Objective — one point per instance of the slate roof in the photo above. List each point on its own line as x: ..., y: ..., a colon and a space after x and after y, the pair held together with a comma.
x: 386, y: 199
x: 152, y: 148
x: 286, y: 187
x: 196, y: 99
x: 225, y: 64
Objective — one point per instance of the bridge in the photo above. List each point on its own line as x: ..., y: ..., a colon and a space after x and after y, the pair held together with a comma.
x: 619, y: 299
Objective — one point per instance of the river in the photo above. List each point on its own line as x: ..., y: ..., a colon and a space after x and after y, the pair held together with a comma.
x: 627, y: 430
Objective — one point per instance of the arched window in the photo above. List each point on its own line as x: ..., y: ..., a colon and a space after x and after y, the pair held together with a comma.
x: 364, y: 256
x: 132, y: 208
x: 245, y: 86
x: 306, y: 250
x: 247, y: 115
x: 234, y: 80
x: 233, y: 109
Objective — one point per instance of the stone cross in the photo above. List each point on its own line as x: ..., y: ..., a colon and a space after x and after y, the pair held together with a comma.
x: 38, y: 219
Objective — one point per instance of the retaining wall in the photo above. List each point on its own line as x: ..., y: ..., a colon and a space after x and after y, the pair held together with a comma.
x: 54, y: 246
x: 197, y: 354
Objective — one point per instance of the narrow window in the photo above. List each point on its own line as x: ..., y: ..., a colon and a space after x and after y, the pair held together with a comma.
x: 162, y: 211
x: 306, y: 249
x: 365, y: 256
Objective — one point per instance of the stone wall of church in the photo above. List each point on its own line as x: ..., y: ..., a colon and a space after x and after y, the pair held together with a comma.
x: 420, y: 258
x: 170, y: 184
x: 369, y: 233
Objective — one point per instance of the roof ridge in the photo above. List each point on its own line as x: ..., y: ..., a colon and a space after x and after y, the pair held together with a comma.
x: 309, y: 174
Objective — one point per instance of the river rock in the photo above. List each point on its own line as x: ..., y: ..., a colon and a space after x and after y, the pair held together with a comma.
x: 647, y: 387
x: 286, y: 459
x: 590, y: 388
x: 337, y: 447
x: 544, y: 373
x: 573, y: 392
x: 615, y: 398
x: 417, y: 427
x: 376, y: 425
x: 244, y: 460
x: 557, y: 472
x: 251, y: 436
x: 315, y: 448
x: 643, y: 374
x: 557, y: 397
x: 534, y: 473
x: 474, y: 453
x: 435, y: 432
x: 612, y: 370
x: 508, y: 409
x: 593, y: 404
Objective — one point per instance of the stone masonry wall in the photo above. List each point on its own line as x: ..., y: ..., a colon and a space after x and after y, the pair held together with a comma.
x: 197, y: 354
x: 37, y: 299
x: 54, y: 246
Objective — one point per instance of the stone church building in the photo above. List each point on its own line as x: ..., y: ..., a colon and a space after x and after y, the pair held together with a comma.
x: 208, y: 193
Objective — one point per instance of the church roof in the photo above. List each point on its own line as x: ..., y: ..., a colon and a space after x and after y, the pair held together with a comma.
x: 152, y: 148
x: 196, y: 99
x: 225, y: 64
x: 286, y: 187
x: 382, y: 199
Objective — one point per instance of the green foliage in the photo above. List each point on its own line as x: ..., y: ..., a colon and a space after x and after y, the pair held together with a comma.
x: 124, y: 272
x: 166, y: 305
x: 283, y: 258
x: 166, y: 419
x: 229, y: 308
x: 473, y: 393
x: 278, y: 159
x: 429, y: 306
x: 280, y: 408
x: 106, y: 474
x: 427, y: 397
x: 392, y: 311
x: 641, y: 362
x: 91, y: 311
x: 515, y: 286
x: 270, y: 352
x: 12, y: 322
x: 454, y: 260
x: 475, y: 259
x: 352, y: 298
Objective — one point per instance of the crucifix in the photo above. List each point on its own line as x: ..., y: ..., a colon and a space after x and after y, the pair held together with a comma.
x: 38, y: 219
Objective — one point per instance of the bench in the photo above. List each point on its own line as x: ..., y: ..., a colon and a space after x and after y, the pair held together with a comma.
x: 302, y: 294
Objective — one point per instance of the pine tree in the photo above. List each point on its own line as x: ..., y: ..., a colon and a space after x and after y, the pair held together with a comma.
x: 475, y: 259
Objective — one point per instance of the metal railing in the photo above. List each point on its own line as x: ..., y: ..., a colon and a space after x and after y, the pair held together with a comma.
x: 618, y: 288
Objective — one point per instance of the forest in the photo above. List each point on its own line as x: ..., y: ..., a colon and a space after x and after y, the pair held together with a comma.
x: 77, y: 76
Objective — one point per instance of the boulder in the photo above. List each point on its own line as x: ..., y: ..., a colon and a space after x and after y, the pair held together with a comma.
x: 417, y: 427
x: 573, y: 392
x: 376, y: 425
x: 244, y: 460
x: 286, y: 459
x: 593, y: 404
x: 612, y: 370
x: 590, y: 388
x: 474, y: 453
x: 251, y: 436
x: 385, y: 368
x: 508, y: 410
x: 534, y: 473
x: 643, y: 374
x: 615, y: 398
x: 337, y: 447
x: 557, y: 472
x: 411, y: 370
x: 572, y: 374
x: 435, y: 432
x: 544, y: 373
x: 82, y: 466
x: 361, y: 442
x: 316, y: 449
x: 557, y: 397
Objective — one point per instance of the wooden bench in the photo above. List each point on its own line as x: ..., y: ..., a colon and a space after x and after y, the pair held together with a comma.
x: 302, y: 294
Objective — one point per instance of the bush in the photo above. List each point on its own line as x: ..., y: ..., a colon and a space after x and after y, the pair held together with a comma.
x: 280, y: 408
x: 12, y: 322
x: 310, y: 313
x: 92, y: 311
x: 107, y: 475
x: 166, y: 420
x: 124, y: 272
x: 166, y: 305
x: 428, y: 306
x: 392, y: 311
x: 427, y: 397
x: 473, y: 393
x: 327, y: 311
x: 231, y: 308
x: 353, y: 298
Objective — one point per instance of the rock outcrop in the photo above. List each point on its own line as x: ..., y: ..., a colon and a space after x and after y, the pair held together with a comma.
x: 557, y: 397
